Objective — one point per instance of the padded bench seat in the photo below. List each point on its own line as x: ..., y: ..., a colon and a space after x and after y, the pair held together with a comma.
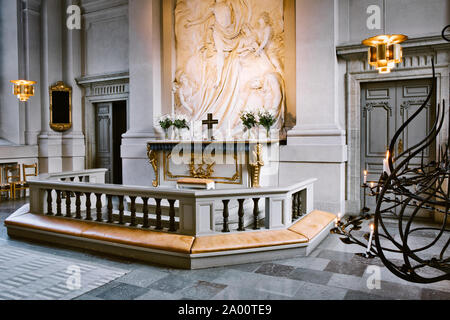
x: 110, y: 233
x: 311, y: 225
x: 246, y: 240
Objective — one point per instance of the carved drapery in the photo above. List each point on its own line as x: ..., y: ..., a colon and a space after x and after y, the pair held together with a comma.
x: 229, y: 57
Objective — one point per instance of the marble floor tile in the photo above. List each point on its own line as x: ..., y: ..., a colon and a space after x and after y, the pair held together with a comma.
x: 313, y: 291
x: 430, y: 294
x: 346, y: 268
x: 306, y: 263
x: 276, y: 270
x: 172, y: 284
x: 312, y: 276
x: 142, y: 278
x: 122, y: 291
x: 276, y: 285
x: 240, y: 293
x: 202, y: 290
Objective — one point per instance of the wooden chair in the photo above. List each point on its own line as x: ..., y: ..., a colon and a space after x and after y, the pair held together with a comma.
x: 4, y: 187
x: 23, y: 184
x: 13, y: 178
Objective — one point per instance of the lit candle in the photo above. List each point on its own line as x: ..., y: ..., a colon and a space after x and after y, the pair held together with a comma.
x: 369, y: 245
x: 372, y: 184
x: 386, y: 164
x: 365, y: 176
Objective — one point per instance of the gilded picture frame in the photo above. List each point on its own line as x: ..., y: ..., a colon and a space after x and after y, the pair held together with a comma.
x: 60, y: 107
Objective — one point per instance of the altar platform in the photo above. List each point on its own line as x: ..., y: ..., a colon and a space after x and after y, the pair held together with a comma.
x: 85, y: 215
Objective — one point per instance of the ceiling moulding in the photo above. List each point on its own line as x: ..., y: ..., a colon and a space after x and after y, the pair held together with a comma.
x: 411, y: 45
x: 89, y: 6
x: 115, y: 77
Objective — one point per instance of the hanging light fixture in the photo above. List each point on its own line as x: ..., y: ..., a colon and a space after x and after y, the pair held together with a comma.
x: 23, y: 89
x: 385, y: 51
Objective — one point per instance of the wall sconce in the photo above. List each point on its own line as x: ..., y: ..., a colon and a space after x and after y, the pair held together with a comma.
x: 23, y: 89
x: 385, y: 51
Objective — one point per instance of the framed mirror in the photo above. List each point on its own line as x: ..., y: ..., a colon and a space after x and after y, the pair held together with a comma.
x: 60, y: 107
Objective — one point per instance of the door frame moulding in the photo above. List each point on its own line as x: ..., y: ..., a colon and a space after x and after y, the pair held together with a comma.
x: 101, y: 88
x: 416, y: 65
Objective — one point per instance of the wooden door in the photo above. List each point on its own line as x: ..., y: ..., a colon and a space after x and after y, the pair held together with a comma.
x: 385, y: 106
x: 104, y: 139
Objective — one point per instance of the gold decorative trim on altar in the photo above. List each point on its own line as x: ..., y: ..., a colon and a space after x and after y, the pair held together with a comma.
x: 199, y: 171
x: 153, y: 160
x: 256, y: 166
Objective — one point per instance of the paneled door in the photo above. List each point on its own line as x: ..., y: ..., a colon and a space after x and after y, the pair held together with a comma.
x: 385, y: 106
x: 104, y: 139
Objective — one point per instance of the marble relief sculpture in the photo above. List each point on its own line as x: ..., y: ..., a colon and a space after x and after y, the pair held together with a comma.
x: 229, y: 57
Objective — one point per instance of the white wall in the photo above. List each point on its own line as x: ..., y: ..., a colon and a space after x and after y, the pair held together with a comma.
x: 414, y: 18
x: 106, y: 34
x: 9, y: 70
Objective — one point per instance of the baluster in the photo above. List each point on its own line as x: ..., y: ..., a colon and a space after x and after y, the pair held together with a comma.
x: 121, y: 208
x: 158, y: 215
x: 293, y: 206
x: 145, y: 213
x: 241, y: 215
x: 49, y: 203
x: 110, y: 209
x: 58, y: 203
x: 133, y: 212
x: 88, y: 206
x: 226, y: 214
x: 99, y: 207
x: 78, y: 205
x: 172, y: 227
x: 68, y: 205
x: 299, y: 200
x: 255, y: 213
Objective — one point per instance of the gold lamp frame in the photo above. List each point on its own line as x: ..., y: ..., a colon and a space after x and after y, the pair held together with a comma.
x: 60, y: 86
x: 23, y: 89
x: 385, y: 51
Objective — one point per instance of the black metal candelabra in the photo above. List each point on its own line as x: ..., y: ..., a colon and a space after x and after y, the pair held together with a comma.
x: 404, y: 193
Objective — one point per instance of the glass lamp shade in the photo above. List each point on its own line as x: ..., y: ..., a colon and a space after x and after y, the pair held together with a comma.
x: 23, y: 89
x: 385, y: 51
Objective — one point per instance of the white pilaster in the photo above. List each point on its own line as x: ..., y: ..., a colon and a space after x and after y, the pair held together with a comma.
x: 50, y: 143
x: 317, y: 144
x: 73, y: 144
x: 145, y: 88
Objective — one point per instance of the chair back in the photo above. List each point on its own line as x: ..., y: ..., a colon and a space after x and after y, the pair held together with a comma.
x: 13, y: 173
x: 31, y: 166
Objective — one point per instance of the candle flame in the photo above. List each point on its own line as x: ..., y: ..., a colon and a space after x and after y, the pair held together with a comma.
x: 387, y: 155
x: 365, y: 172
x: 372, y: 226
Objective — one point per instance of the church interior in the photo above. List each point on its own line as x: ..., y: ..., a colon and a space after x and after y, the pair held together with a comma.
x: 224, y: 150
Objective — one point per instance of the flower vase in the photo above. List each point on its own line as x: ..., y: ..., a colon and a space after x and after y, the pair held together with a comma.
x: 177, y: 134
x: 252, y: 134
x: 166, y: 134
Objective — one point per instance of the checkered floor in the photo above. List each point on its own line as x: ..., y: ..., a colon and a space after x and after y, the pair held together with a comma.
x: 333, y: 271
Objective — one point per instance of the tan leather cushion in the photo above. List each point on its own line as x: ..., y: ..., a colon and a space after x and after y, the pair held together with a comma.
x: 246, y: 240
x: 313, y: 223
x: 111, y: 233
x: 46, y: 223
x: 140, y: 238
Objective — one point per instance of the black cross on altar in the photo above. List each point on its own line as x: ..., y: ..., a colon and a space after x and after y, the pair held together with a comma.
x: 210, y: 122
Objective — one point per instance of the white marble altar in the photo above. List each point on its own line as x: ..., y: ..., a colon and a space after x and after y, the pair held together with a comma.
x: 231, y: 164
